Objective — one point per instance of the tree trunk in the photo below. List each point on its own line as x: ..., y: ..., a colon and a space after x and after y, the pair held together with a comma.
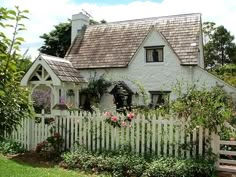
x: 222, y: 56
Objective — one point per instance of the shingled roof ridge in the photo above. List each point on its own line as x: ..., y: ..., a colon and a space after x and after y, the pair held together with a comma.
x: 54, y: 58
x: 150, y: 18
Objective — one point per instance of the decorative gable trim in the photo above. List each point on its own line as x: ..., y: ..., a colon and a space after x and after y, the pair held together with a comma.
x: 32, y: 70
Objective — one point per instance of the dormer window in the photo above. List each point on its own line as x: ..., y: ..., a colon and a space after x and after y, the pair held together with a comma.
x: 154, y: 54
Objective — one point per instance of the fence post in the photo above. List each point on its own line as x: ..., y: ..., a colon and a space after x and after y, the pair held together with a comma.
x: 217, y: 150
x: 215, y: 145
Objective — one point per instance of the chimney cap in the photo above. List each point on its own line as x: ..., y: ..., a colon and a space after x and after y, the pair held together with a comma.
x: 80, y: 16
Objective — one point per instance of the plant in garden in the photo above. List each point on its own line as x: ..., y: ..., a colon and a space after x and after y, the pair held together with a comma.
x: 165, y: 167
x: 129, y: 165
x: 51, y: 148
x: 208, y: 108
x: 10, y: 147
x: 94, y: 90
x: 14, y: 102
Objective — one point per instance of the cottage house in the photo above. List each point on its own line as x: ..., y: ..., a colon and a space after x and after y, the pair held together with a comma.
x: 156, y: 52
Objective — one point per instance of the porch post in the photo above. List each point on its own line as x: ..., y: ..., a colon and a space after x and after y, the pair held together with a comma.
x: 77, y: 97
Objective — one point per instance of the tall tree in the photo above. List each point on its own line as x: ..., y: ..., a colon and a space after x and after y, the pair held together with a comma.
x: 219, y: 46
x: 14, y: 104
x: 224, y: 45
x: 57, y: 41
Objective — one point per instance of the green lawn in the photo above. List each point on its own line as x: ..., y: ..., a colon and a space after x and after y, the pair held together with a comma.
x: 10, y: 168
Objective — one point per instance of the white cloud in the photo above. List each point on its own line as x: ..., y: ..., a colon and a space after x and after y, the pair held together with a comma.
x: 44, y: 14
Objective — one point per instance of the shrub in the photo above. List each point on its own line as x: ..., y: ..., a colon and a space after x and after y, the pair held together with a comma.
x: 172, y: 167
x: 129, y: 165
x: 117, y: 164
x: 51, y: 148
x: 10, y: 147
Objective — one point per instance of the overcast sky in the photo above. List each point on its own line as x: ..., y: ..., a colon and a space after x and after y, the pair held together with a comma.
x: 44, y: 14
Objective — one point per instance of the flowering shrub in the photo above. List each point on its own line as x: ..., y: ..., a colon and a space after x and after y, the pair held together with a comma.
x: 119, y: 121
x: 51, y: 147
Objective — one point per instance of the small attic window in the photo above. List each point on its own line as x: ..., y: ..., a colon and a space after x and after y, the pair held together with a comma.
x: 154, y: 54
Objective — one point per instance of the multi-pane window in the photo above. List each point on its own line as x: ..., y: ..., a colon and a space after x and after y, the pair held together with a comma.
x: 154, y: 54
x: 159, y: 98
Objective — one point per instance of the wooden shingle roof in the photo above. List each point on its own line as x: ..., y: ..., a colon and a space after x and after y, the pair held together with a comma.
x: 114, y: 44
x: 63, y: 69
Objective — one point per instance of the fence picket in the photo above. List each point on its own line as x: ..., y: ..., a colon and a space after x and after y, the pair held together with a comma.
x: 148, y: 138
x: 154, y: 134
x: 171, y: 136
x: 127, y: 133
x: 143, y: 135
x: 89, y: 133
x: 85, y: 127
x: 137, y: 134
x: 159, y: 135
x: 98, y: 138
x: 112, y: 139
x: 132, y: 135
x: 107, y: 137
x: 194, y: 142
x: 177, y: 140
x: 165, y: 137
x: 200, y: 148
x: 103, y: 132
x: 72, y: 140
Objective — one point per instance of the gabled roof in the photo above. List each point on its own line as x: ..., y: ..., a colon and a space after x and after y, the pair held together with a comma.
x: 58, y: 69
x: 114, y: 44
x: 63, y: 69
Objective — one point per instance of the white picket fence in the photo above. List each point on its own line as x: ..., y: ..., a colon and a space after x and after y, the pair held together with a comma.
x: 145, y: 135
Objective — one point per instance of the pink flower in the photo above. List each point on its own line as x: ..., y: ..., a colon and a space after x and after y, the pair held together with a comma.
x: 108, y: 114
x: 130, y: 115
x: 123, y: 124
x: 114, y: 118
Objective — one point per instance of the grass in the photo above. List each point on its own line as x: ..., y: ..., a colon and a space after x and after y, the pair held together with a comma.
x: 11, y: 168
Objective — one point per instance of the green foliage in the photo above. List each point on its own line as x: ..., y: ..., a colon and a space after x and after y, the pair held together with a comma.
x: 57, y: 41
x: 10, y: 147
x: 208, y: 108
x: 128, y: 164
x: 116, y: 164
x: 96, y: 86
x: 14, y: 104
x: 23, y: 65
x: 93, y: 92
x: 219, y: 45
x: 167, y: 167
x: 227, y: 73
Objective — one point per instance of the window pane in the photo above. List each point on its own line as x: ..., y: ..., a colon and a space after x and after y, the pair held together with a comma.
x: 149, y: 56
x: 160, y: 55
x: 155, y: 55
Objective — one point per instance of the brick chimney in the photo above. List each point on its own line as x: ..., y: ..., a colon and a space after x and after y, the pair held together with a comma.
x: 78, y: 21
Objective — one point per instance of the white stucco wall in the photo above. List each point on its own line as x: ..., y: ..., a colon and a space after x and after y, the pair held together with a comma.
x: 153, y: 76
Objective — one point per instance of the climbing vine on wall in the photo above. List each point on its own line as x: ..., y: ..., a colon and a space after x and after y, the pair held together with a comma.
x: 96, y: 87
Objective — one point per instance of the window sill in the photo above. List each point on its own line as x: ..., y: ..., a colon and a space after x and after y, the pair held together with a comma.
x: 155, y: 64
